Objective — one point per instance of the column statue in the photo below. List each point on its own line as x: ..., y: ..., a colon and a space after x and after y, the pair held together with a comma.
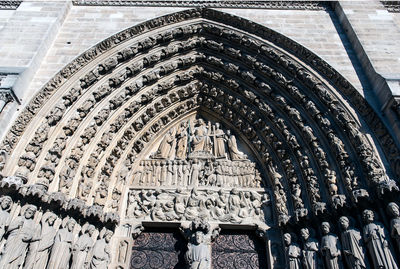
x: 293, y: 253
x: 21, y: 233
x: 353, y: 252
x: 310, y: 250
x: 39, y: 254
x: 393, y: 209
x: 82, y: 247
x: 377, y: 245
x: 330, y: 247
x: 62, y: 248
x: 101, y: 252
x: 198, y: 255
x: 5, y: 217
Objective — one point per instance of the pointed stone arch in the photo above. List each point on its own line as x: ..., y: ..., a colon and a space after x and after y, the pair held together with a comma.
x: 319, y: 144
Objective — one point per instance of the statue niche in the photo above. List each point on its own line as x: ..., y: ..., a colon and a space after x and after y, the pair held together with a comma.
x: 195, y: 153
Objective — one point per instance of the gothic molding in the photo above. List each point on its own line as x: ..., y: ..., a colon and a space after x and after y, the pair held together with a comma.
x: 295, y: 5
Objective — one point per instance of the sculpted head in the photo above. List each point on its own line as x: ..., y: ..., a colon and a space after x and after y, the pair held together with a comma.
x: 305, y: 234
x: 70, y: 225
x: 287, y: 238
x: 6, y: 202
x: 368, y: 216
x: 198, y: 237
x: 108, y: 235
x: 344, y: 222
x: 30, y: 212
x: 326, y: 227
x: 90, y: 230
x: 393, y: 208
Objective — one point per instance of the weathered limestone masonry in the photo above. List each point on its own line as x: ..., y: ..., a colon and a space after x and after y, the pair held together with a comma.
x: 199, y: 134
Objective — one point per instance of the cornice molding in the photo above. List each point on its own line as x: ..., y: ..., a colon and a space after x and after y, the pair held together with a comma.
x: 10, y: 4
x: 295, y: 5
x: 392, y: 6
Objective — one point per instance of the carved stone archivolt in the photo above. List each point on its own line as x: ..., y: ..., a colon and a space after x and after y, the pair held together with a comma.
x: 187, y: 116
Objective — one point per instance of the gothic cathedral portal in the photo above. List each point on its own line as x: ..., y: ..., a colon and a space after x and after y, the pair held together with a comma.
x: 199, y: 140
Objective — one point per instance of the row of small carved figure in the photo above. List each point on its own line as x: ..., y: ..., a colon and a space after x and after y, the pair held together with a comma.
x: 183, y: 173
x: 349, y: 250
x: 236, y: 206
x: 31, y: 244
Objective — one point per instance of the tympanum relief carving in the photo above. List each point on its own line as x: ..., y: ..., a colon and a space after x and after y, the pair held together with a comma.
x: 198, y: 170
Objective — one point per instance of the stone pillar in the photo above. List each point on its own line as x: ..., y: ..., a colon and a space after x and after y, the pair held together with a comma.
x: 25, y: 40
x: 374, y: 36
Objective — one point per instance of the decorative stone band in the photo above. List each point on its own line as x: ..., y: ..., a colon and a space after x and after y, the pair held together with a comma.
x: 297, y: 5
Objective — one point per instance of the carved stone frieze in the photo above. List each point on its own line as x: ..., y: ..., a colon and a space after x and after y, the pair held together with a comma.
x: 216, y: 205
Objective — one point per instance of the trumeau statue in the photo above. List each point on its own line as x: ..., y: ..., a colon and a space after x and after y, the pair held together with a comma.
x: 375, y: 239
x: 293, y: 253
x: 62, y: 248
x: 353, y: 251
x: 39, y: 251
x: 5, y: 217
x: 101, y: 251
x: 393, y: 209
x: 330, y: 248
x: 82, y: 247
x: 198, y: 255
x: 22, y: 232
x: 310, y: 250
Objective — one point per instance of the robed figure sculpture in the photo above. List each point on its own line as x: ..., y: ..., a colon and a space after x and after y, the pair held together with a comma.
x: 377, y: 245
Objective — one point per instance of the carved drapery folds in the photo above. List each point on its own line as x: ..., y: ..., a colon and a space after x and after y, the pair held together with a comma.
x: 198, y: 119
x: 38, y: 239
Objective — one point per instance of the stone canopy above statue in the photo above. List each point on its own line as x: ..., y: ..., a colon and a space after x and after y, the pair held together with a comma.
x: 198, y: 153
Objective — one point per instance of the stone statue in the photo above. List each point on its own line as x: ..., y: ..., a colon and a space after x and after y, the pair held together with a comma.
x: 310, y: 250
x: 232, y: 147
x: 101, y: 252
x: 167, y: 145
x: 293, y: 253
x: 5, y: 217
x: 353, y: 251
x: 82, y: 247
x: 377, y: 245
x: 330, y: 247
x: 62, y: 248
x: 195, y: 172
x: 40, y: 250
x: 200, y: 140
x: 198, y: 255
x: 393, y: 209
x: 219, y: 142
x: 21, y: 233
x: 182, y: 139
